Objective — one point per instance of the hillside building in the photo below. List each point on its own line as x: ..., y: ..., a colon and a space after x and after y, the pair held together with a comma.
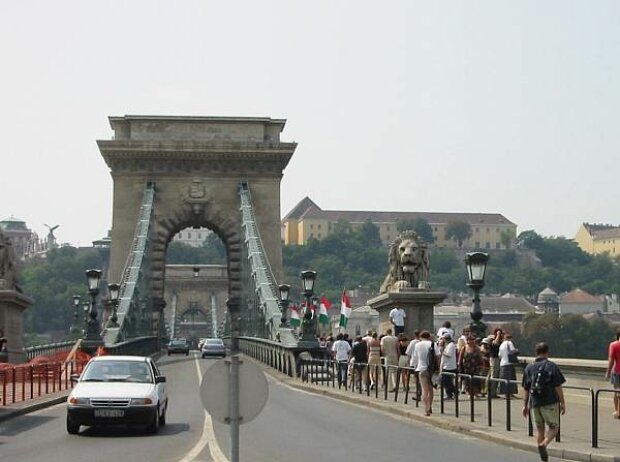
x: 579, y: 301
x: 307, y: 220
x: 598, y: 238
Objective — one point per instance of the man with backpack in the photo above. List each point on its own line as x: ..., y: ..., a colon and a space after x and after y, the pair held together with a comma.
x: 542, y: 382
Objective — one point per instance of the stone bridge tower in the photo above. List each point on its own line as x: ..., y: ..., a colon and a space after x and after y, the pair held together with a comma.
x: 197, y: 164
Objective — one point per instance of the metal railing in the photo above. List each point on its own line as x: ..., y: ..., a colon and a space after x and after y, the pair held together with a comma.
x: 48, y: 349
x: 30, y: 381
x: 130, y: 309
x: 276, y: 355
x: 260, y: 276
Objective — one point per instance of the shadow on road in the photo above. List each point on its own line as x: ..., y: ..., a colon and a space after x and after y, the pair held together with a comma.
x: 23, y: 423
x: 122, y: 432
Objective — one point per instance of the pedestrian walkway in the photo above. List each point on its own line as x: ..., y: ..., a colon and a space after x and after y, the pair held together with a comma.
x: 576, y: 431
x: 24, y: 407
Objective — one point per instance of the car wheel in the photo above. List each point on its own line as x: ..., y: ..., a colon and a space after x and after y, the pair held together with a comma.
x: 162, y: 417
x: 168, y: 353
x: 204, y: 356
x: 153, y: 427
x: 187, y: 354
x: 72, y: 428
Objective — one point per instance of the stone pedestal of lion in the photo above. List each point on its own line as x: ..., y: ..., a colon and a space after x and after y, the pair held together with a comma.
x: 417, y: 303
x: 12, y: 306
x: 406, y: 285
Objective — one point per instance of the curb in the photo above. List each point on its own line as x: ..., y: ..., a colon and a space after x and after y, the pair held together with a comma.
x: 35, y: 405
x: 560, y: 453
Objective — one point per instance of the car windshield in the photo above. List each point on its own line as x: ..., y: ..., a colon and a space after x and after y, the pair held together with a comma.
x: 117, y: 371
x: 178, y: 342
x: 215, y: 341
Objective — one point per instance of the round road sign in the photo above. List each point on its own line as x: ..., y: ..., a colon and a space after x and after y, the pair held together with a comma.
x: 215, y: 390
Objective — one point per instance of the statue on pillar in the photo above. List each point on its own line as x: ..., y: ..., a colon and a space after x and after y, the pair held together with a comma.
x: 51, y: 239
x: 8, y: 269
x: 408, y: 261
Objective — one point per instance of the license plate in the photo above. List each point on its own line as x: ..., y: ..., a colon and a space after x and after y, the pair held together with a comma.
x: 109, y: 413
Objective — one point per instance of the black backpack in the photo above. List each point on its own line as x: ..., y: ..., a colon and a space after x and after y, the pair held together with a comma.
x: 540, y: 380
x: 432, y: 360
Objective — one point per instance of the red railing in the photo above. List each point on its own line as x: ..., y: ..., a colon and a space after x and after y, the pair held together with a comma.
x: 29, y: 381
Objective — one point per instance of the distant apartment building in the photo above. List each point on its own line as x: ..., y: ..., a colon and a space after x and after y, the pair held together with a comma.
x: 598, y: 238
x: 192, y: 237
x: 307, y: 220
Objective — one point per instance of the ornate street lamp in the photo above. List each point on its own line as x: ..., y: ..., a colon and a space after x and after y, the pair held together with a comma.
x: 75, y: 330
x: 93, y: 334
x: 476, y: 263
x: 308, y: 327
x: 114, y: 292
x: 285, y: 290
x: 307, y: 278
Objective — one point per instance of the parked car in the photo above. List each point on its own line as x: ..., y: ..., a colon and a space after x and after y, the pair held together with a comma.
x: 213, y: 347
x: 178, y: 345
x: 118, y: 390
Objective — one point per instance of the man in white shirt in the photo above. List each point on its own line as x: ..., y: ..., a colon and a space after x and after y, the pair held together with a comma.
x: 397, y: 318
x: 448, y: 364
x: 341, y: 350
x: 446, y: 328
x: 421, y: 354
x: 411, y: 346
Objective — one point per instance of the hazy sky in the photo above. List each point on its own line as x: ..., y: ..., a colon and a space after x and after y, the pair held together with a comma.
x: 479, y: 106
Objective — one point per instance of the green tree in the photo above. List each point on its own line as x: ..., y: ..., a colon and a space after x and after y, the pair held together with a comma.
x: 52, y: 282
x: 403, y: 224
x: 568, y: 335
x: 370, y: 233
x: 214, y: 250
x: 460, y: 231
x: 506, y: 238
x: 424, y: 230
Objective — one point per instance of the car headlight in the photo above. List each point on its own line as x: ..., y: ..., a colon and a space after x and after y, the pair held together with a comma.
x: 79, y: 401
x: 140, y: 401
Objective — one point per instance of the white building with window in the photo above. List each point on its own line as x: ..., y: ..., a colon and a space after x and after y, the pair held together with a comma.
x: 194, y: 237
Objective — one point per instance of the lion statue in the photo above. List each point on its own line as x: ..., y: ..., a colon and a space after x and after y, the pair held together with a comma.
x: 408, y: 263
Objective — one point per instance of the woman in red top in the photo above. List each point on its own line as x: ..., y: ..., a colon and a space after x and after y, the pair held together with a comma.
x: 613, y: 370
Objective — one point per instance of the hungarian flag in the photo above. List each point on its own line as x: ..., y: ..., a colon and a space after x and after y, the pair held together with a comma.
x: 295, y: 321
x: 323, y: 307
x: 345, y: 309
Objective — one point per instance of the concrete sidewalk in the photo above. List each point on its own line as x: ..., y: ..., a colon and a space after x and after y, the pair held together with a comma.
x: 24, y: 407
x: 576, y: 428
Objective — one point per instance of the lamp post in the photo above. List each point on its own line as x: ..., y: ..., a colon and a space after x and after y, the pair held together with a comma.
x: 85, y: 310
x: 308, y: 326
x: 285, y: 290
x: 93, y: 331
x: 74, y: 331
x: 114, y: 292
x: 476, y: 263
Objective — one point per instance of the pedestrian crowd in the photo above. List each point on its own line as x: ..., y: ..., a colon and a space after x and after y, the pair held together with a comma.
x: 376, y: 359
x: 486, y: 367
x: 436, y: 361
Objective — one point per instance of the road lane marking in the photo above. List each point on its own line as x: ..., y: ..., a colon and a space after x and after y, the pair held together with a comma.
x: 207, y: 437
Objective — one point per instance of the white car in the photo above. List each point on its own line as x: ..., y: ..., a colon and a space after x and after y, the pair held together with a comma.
x: 118, y: 390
